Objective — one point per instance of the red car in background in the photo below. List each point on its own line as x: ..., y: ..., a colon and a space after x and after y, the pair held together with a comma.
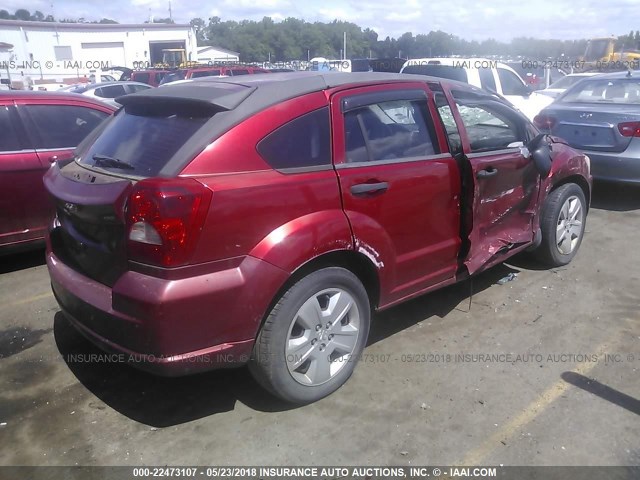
x: 199, y: 72
x: 261, y: 221
x: 37, y: 129
x: 151, y: 77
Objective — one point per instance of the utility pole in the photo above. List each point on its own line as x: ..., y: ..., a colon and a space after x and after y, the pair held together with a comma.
x: 170, y: 14
x: 344, y: 46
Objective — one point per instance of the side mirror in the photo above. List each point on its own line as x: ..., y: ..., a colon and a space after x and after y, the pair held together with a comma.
x: 527, y: 90
x: 541, y: 154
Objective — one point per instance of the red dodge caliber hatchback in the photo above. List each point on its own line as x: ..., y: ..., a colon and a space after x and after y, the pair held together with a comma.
x: 261, y: 220
x: 36, y: 130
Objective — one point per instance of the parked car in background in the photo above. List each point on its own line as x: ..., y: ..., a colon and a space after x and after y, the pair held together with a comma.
x: 600, y: 116
x: 556, y: 88
x: 227, y: 221
x: 199, y: 72
x: 488, y: 74
x: 151, y: 76
x: 52, y: 87
x: 38, y: 128
x: 108, y: 91
x: 537, y: 74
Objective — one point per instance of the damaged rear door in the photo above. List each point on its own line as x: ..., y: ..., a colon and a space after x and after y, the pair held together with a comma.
x: 400, y: 188
x: 504, y: 178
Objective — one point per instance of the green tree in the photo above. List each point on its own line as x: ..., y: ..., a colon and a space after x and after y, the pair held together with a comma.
x: 200, y: 27
x: 22, y: 14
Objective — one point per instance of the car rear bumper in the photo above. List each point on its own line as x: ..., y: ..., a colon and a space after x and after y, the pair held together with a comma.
x: 171, y: 327
x: 614, y: 167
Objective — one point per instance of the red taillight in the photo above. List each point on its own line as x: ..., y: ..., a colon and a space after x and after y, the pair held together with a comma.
x: 629, y: 129
x: 164, y: 218
x: 544, y: 122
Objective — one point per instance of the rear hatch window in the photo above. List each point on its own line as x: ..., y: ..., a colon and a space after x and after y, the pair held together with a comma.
x: 140, y: 142
x: 620, y: 91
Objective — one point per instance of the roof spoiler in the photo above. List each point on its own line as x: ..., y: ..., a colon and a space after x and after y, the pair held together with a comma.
x: 208, y: 98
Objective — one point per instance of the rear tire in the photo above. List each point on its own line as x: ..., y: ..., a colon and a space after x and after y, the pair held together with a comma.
x: 562, y: 223
x: 312, y: 338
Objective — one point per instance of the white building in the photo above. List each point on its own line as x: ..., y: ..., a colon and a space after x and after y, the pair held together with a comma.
x: 209, y: 54
x: 44, y: 52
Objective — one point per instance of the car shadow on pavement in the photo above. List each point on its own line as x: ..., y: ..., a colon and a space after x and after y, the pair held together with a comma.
x: 163, y: 402
x: 527, y: 261
x: 438, y: 303
x: 153, y: 400
x: 21, y: 261
x: 618, y: 198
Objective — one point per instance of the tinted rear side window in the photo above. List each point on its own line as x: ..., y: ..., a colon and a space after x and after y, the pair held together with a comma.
x: 441, y: 71
x: 487, y: 81
x: 62, y: 126
x: 138, y: 88
x: 511, y: 84
x: 9, y: 137
x: 239, y: 72
x: 141, y: 77
x: 111, y: 91
x: 145, y: 142
x: 303, y: 142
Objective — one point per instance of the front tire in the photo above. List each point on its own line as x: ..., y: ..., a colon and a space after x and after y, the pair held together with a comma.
x: 562, y: 223
x: 312, y: 338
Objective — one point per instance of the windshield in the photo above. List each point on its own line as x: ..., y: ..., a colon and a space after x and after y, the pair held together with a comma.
x: 596, y: 50
x: 142, y: 143
x: 172, y: 58
x: 625, y: 91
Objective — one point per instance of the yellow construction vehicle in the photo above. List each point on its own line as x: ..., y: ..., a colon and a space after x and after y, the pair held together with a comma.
x: 601, y: 55
x: 175, y: 58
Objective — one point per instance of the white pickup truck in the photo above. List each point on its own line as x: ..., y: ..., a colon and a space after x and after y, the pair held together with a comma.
x: 488, y: 74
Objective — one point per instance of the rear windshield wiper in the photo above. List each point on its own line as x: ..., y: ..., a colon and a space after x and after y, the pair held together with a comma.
x: 111, y: 162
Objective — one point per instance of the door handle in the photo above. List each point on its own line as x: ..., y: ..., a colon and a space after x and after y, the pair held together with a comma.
x: 486, y: 173
x: 364, y: 188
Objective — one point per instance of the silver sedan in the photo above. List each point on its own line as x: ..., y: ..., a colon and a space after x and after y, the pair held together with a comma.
x: 601, y: 116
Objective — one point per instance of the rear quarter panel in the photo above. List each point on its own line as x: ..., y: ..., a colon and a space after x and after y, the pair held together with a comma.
x: 284, y: 218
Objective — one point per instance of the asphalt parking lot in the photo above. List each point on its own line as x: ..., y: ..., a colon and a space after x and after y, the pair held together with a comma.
x: 541, y: 370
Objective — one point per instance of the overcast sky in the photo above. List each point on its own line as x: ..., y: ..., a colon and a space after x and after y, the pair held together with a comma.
x: 499, y: 19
